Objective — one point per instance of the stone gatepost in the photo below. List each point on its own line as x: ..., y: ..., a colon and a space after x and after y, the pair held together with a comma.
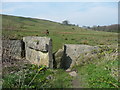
x: 38, y: 50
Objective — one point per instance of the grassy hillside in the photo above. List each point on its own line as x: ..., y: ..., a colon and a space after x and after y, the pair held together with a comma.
x: 18, y: 27
x: 98, y: 70
x: 109, y: 28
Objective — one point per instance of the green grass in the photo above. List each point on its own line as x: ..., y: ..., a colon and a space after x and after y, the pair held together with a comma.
x: 95, y: 76
x: 18, y: 27
x: 30, y: 77
x: 102, y: 72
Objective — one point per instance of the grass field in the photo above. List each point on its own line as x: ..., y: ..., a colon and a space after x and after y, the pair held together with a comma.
x: 100, y: 73
x: 18, y: 27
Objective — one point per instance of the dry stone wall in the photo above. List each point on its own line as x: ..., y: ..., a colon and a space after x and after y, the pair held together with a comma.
x: 38, y: 50
x: 12, y: 48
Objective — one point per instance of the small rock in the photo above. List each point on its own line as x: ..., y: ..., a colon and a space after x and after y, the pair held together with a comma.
x: 49, y: 77
x: 12, y: 72
x: 73, y: 73
x: 68, y: 70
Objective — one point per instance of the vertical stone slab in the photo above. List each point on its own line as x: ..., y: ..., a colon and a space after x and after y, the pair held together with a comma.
x: 50, y: 54
x: 39, y: 50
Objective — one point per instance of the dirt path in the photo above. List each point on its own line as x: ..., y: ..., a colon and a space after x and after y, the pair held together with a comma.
x: 76, y: 83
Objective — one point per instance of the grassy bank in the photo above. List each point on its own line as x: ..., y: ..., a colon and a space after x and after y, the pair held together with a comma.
x: 101, y: 72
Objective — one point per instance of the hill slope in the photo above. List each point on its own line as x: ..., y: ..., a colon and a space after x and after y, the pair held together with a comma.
x: 109, y: 28
x: 14, y: 27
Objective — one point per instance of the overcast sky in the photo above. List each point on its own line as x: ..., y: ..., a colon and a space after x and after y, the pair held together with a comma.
x: 81, y: 13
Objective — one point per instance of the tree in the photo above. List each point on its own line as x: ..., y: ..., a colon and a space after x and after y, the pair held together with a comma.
x: 65, y: 22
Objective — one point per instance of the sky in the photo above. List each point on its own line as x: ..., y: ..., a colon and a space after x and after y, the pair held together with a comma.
x: 81, y: 13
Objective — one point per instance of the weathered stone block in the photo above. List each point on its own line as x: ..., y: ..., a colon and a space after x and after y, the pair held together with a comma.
x: 39, y: 50
x: 12, y: 48
x: 58, y: 57
x: 72, y: 52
